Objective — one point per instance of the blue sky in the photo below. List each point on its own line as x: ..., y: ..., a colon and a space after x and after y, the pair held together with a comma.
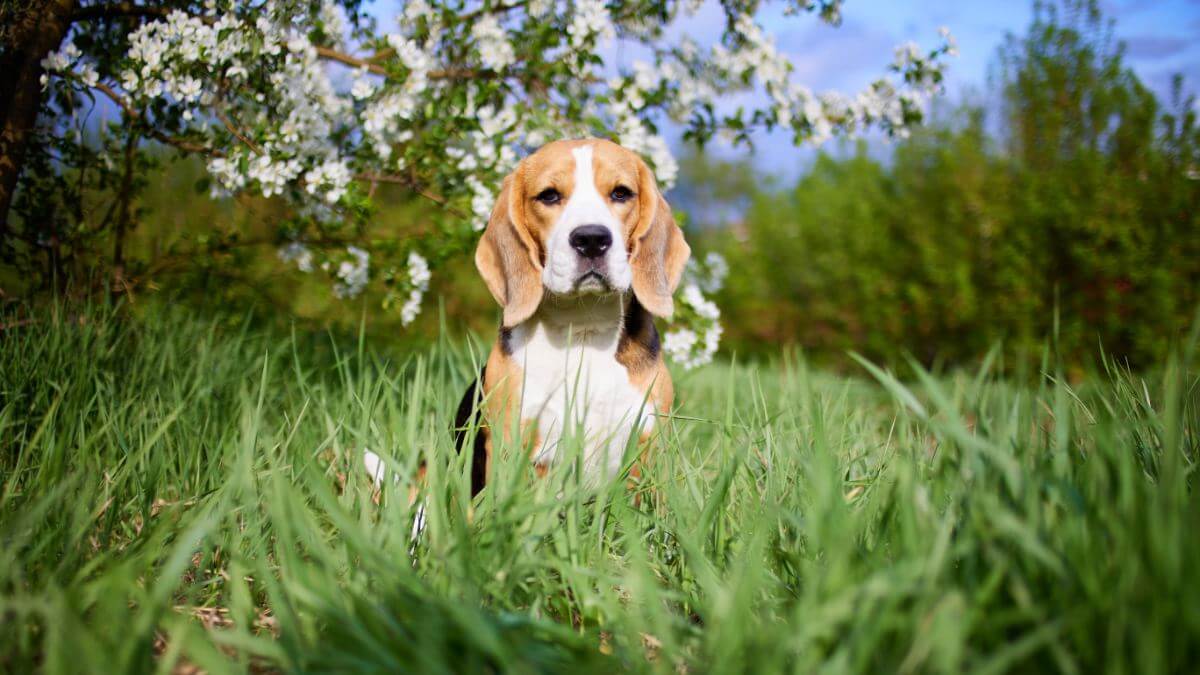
x: 1162, y: 38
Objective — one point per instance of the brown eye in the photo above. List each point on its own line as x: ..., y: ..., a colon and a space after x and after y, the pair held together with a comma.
x: 549, y: 197
x: 621, y: 194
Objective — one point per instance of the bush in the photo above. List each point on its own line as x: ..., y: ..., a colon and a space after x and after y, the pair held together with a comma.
x: 1078, y: 218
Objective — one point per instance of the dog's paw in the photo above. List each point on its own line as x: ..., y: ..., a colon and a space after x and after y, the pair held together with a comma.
x: 378, y: 472
x: 375, y: 468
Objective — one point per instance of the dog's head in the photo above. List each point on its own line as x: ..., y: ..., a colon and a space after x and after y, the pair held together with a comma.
x: 578, y: 217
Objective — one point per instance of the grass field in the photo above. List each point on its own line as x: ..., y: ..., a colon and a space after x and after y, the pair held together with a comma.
x: 180, y: 492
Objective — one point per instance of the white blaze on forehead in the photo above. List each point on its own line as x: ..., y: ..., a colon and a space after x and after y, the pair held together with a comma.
x: 586, y: 199
x: 585, y: 207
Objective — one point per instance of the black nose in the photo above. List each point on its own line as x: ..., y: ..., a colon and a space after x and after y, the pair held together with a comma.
x: 590, y: 240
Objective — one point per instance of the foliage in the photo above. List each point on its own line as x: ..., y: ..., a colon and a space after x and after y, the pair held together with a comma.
x: 181, y: 490
x: 1077, y: 214
x: 315, y: 103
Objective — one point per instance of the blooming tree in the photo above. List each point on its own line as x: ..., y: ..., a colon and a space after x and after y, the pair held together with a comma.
x: 318, y: 103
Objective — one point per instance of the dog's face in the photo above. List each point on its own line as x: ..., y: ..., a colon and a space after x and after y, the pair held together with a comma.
x: 580, y: 217
x: 584, y: 207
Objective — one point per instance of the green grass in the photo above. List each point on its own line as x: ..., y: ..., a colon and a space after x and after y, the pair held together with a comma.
x: 177, y: 490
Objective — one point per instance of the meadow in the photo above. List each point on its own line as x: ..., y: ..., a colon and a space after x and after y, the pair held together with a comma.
x: 185, y: 494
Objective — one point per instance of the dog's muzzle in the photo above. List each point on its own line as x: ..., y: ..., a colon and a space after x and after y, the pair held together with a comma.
x: 591, y: 242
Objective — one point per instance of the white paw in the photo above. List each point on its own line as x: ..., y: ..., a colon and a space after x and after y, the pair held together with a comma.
x: 377, y: 471
x: 375, y: 467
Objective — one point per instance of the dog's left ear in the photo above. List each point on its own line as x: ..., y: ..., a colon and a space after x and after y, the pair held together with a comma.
x: 507, y: 256
x: 658, y: 251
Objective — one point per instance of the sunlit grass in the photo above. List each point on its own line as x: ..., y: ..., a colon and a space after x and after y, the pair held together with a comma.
x: 179, y: 490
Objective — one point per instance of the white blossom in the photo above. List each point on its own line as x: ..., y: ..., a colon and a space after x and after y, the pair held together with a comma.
x: 633, y: 134
x: 273, y: 176
x: 352, y: 274
x: 418, y: 9
x: 418, y: 276
x: 129, y: 81
x: 59, y: 61
x: 540, y: 8
x: 87, y: 74
x: 679, y: 344
x: 381, y: 120
x: 62, y: 58
x: 716, y: 269
x: 333, y: 17
x: 590, y: 22
x: 410, y: 53
x: 298, y: 253
x: 694, y: 340
x: 492, y: 41
x: 331, y: 178
x: 703, y: 306
x: 364, y: 85
x: 481, y: 202
x: 948, y: 38
x: 227, y: 175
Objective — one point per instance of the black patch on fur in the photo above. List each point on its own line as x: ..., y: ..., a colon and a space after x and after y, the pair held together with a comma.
x: 505, y: 342
x: 639, y: 327
x: 466, y: 419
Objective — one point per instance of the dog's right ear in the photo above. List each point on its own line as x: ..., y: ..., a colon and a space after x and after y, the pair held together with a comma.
x: 507, y: 256
x: 658, y: 251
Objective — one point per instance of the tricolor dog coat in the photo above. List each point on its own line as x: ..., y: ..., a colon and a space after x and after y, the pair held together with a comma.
x: 581, y: 252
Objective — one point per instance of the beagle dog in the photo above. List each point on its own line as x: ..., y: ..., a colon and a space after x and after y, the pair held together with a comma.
x: 581, y: 252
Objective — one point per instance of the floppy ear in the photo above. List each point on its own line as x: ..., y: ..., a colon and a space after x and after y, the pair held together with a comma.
x: 658, y: 252
x: 507, y: 256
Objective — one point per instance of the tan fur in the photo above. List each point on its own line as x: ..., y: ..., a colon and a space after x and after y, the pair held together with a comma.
x: 659, y: 254
x: 508, y: 257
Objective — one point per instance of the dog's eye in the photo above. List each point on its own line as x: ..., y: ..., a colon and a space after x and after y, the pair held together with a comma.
x: 621, y: 194
x: 549, y: 197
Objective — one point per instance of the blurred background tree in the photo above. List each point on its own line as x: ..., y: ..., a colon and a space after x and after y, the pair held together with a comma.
x: 1071, y: 209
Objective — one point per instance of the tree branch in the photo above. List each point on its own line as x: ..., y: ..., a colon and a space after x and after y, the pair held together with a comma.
x: 234, y: 130
x: 135, y: 114
x: 331, y: 54
x: 371, y: 63
x: 411, y: 184
x: 124, y: 196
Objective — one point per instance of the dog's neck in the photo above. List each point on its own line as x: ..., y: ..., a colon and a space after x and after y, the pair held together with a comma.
x: 573, y: 358
x: 582, y: 318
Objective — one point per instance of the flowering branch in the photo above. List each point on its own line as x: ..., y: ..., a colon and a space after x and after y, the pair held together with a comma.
x: 371, y: 65
x: 411, y: 184
x: 445, y: 105
x: 229, y: 126
x: 136, y: 115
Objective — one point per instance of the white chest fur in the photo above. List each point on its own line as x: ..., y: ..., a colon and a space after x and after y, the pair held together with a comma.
x: 573, y: 385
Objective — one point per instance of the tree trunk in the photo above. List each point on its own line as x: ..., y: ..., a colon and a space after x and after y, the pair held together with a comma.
x: 124, y: 197
x: 32, y: 31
